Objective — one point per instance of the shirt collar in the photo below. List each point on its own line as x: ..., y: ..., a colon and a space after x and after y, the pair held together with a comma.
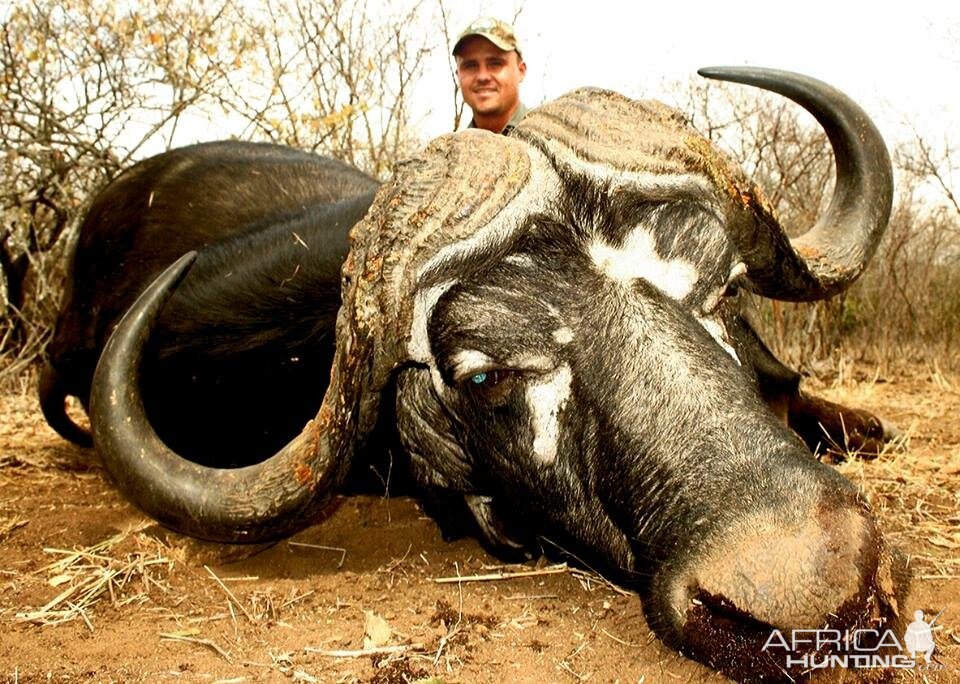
x: 518, y: 114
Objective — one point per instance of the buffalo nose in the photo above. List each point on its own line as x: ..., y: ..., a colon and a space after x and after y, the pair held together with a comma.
x: 807, y: 567
x: 790, y: 573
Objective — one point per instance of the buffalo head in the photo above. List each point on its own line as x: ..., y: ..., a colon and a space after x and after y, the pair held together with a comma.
x: 552, y: 319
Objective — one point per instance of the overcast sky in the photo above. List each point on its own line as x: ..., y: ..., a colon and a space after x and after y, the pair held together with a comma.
x: 900, y: 61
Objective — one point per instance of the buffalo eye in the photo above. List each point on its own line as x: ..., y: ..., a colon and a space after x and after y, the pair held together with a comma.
x: 492, y: 386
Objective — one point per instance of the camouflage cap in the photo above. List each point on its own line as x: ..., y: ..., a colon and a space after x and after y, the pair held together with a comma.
x: 500, y: 33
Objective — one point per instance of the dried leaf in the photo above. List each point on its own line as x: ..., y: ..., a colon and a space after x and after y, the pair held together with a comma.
x: 943, y: 542
x: 376, y: 631
x: 57, y: 580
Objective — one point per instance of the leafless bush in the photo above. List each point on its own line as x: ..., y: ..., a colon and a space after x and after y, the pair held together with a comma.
x: 909, y: 302
x: 333, y: 76
x: 89, y: 86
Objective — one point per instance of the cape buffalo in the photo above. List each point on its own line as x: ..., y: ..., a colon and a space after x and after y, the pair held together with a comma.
x: 231, y: 370
x: 549, y: 328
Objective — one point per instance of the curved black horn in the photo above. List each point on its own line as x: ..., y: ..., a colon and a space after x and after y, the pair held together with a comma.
x: 261, y: 502
x: 831, y: 255
x: 53, y: 395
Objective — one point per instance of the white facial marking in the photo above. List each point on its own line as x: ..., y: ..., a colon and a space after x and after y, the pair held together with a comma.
x: 524, y: 260
x: 469, y: 362
x: 547, y: 399
x: 532, y: 362
x: 563, y: 335
x: 719, y: 333
x: 638, y: 258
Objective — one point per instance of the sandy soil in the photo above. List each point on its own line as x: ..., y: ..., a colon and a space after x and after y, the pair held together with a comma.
x: 90, y: 590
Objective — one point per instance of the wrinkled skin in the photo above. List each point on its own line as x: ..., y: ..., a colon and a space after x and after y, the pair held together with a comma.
x: 670, y: 469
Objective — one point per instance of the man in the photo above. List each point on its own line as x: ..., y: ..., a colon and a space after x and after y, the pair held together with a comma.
x: 490, y: 70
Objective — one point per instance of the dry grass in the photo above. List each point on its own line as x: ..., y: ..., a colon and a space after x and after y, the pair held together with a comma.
x: 235, y: 618
x: 96, y: 573
x: 914, y: 485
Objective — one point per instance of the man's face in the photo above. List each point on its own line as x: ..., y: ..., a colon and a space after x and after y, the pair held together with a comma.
x: 489, y: 77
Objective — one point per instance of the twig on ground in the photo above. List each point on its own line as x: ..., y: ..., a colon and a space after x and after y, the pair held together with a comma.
x: 363, y: 652
x: 340, y: 550
x: 587, y: 576
x: 566, y: 667
x: 621, y: 641
x: 498, y: 576
x: 195, y: 640
x: 229, y: 594
x: 295, y: 599
x: 455, y: 629
x: 530, y: 597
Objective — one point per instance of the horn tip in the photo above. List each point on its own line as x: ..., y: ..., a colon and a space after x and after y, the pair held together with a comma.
x: 743, y: 74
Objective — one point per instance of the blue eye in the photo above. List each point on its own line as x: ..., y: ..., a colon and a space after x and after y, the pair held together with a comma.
x: 479, y: 378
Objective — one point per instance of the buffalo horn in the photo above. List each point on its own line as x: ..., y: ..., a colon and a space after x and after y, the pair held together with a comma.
x: 261, y: 502
x: 828, y: 257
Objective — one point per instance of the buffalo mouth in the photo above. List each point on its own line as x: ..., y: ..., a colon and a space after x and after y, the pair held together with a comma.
x: 717, y: 633
x: 728, y: 639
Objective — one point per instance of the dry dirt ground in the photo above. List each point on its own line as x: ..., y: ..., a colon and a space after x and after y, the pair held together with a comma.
x: 90, y: 590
